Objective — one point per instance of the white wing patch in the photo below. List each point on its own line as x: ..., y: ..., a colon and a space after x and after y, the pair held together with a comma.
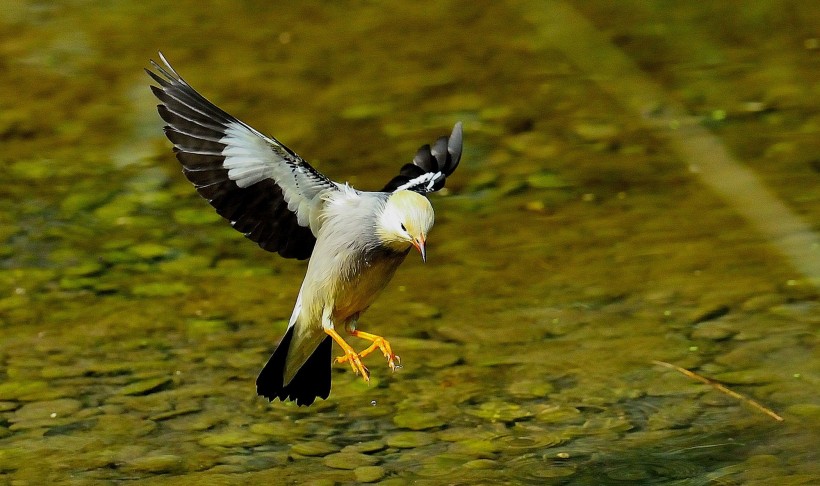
x: 245, y: 155
x: 427, y: 180
x: 251, y: 157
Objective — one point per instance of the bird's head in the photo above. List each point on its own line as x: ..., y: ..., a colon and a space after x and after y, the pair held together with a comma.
x: 405, y: 221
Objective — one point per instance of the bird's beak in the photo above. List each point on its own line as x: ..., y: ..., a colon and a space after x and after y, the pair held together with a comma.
x: 420, y: 243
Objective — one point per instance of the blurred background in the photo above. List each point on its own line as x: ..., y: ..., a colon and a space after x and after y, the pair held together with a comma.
x: 639, y: 183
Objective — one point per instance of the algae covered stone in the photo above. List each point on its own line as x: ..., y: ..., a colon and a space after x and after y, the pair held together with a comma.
x: 233, y: 438
x: 349, y: 460
x: 497, y: 411
x: 369, y: 474
x: 414, y: 420
x: 314, y: 448
x: 409, y: 440
x: 146, y: 387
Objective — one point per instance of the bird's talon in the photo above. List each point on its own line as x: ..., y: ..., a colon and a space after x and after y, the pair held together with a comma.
x: 393, y: 362
x: 355, y: 359
x: 356, y: 364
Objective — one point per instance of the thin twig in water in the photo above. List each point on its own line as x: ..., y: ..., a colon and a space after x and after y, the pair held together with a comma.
x: 720, y: 387
x: 706, y: 446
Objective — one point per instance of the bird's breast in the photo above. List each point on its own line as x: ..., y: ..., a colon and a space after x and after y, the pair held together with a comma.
x: 364, y: 281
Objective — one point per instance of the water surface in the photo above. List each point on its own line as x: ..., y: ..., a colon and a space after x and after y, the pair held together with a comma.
x: 577, y: 243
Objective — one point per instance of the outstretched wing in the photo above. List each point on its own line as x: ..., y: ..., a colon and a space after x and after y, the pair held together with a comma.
x: 430, y: 166
x: 262, y: 187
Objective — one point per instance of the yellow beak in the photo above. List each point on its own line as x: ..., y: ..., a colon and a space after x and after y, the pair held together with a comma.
x: 419, y: 243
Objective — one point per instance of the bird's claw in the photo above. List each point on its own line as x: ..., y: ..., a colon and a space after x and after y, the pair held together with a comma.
x: 355, y: 363
x: 355, y: 359
x: 393, y: 361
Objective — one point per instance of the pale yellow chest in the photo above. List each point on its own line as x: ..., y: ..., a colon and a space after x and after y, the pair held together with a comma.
x: 359, y: 289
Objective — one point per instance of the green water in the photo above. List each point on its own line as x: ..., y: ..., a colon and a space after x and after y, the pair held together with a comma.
x: 575, y: 245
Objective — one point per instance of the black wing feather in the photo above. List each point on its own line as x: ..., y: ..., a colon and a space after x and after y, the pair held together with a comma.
x: 431, y: 166
x: 196, y: 127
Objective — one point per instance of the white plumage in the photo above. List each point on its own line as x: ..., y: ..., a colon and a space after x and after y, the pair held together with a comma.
x: 355, y: 240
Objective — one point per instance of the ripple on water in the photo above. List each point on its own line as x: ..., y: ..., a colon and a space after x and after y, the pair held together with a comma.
x: 536, y: 468
x: 650, y: 469
x: 512, y: 443
x: 498, y: 411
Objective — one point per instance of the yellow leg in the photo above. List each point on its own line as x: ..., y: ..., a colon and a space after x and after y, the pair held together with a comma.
x: 378, y: 343
x: 350, y: 355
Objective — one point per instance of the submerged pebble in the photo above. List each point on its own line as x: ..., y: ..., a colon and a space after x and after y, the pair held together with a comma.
x: 146, y: 387
x: 24, y: 390
x: 233, y: 438
x: 175, y: 413
x: 47, y: 409
x: 368, y: 447
x: 160, y: 289
x: 714, y: 331
x: 349, y: 460
x: 481, y: 464
x: 409, y: 440
x: 761, y: 302
x: 124, y: 425
x: 414, y: 420
x: 150, y: 251
x: 595, y: 132
x: 422, y: 310
x: 314, y: 448
x: 156, y: 464
x: 8, y: 406
x: 547, y: 180
x: 479, y: 448
x: 497, y: 411
x: 747, y: 377
x: 558, y: 414
x: 530, y: 388
x: 369, y: 474
x: 808, y: 410
x: 195, y: 422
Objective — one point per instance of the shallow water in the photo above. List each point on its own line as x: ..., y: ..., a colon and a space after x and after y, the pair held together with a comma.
x: 577, y: 243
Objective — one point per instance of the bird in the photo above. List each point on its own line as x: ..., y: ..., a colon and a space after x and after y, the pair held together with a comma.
x: 355, y: 240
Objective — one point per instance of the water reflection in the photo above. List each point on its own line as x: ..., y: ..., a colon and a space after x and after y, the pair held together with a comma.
x: 575, y: 248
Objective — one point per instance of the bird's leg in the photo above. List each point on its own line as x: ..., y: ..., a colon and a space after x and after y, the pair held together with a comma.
x: 379, y: 342
x: 350, y: 355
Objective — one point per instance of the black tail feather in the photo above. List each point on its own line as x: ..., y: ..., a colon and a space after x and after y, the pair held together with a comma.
x: 311, y: 381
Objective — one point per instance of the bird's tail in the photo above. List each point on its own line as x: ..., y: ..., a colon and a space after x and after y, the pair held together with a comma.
x: 311, y: 381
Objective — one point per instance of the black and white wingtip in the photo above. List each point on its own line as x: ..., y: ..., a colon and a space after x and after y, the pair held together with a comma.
x: 233, y: 166
x: 431, y: 166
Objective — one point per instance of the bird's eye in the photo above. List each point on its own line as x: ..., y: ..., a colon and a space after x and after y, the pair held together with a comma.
x: 403, y: 228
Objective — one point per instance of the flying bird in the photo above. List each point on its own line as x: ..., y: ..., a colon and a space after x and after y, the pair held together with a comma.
x: 355, y: 239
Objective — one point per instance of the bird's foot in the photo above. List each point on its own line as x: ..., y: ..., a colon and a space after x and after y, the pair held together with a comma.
x: 356, y: 363
x: 350, y: 355
x: 380, y: 343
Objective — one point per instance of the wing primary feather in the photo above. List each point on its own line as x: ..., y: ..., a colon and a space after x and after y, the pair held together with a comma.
x: 454, y: 148
x: 431, y: 165
x: 249, y: 178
